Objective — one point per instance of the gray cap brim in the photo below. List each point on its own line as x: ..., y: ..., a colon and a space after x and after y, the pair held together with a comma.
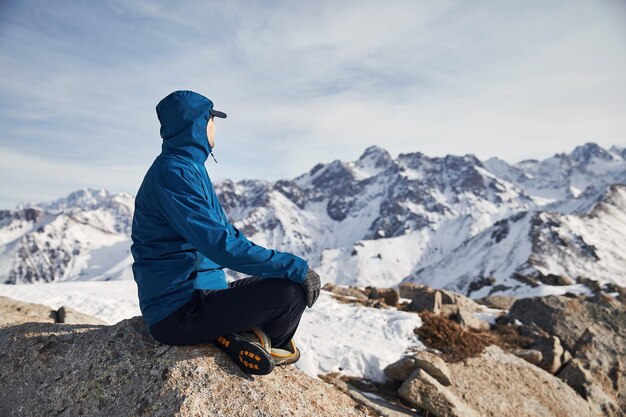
x: 218, y: 113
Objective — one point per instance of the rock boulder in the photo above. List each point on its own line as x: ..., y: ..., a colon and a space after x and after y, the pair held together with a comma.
x: 593, y: 332
x: 499, y: 384
x: 120, y: 370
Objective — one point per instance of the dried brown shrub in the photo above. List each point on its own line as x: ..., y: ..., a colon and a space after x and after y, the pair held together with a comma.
x: 456, y: 344
x: 448, y: 337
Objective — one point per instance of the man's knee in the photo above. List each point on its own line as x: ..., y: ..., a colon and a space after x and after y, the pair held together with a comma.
x: 290, y: 292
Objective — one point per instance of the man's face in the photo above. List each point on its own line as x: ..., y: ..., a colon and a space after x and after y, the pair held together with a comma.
x: 210, y: 132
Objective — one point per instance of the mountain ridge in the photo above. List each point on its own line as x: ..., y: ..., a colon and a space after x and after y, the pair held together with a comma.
x: 372, y: 221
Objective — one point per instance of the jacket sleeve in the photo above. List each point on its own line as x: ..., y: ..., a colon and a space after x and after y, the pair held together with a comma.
x: 185, y: 208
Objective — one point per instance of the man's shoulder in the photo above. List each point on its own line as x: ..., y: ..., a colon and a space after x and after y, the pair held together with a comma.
x: 172, y: 163
x: 174, y: 171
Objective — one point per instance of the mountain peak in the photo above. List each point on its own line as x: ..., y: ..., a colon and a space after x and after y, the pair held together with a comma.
x: 619, y: 151
x: 86, y: 197
x: 375, y: 151
x: 589, y: 150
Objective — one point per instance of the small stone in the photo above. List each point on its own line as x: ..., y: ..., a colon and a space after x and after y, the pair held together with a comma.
x: 468, y: 320
x: 389, y: 295
x: 426, y: 299
x: 552, y: 352
x: 68, y: 315
x: 426, y: 393
x: 433, y: 365
x: 502, y: 302
x: 529, y: 355
x: 409, y: 289
x: 401, y: 369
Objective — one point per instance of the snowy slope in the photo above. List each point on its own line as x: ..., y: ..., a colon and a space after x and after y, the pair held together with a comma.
x: 372, y: 220
x: 588, y: 240
x: 83, y: 236
x: 332, y: 336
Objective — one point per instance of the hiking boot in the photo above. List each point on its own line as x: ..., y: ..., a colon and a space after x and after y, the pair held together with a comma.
x: 250, y: 349
x: 287, y: 355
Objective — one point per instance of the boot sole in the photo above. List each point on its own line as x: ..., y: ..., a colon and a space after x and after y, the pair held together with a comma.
x: 250, y: 357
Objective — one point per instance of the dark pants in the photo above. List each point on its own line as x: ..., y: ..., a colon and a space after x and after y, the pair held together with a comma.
x: 273, y: 304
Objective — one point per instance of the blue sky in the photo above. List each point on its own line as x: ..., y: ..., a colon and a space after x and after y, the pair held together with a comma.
x: 302, y: 82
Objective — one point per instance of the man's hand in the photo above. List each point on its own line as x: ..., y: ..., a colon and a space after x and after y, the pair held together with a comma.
x: 312, y: 287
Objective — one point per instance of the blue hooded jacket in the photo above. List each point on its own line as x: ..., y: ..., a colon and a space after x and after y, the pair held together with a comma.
x: 182, y: 238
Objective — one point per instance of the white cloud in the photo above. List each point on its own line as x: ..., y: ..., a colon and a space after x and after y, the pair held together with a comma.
x: 307, y: 82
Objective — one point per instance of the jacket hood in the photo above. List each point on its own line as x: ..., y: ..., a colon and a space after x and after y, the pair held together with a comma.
x: 184, y: 116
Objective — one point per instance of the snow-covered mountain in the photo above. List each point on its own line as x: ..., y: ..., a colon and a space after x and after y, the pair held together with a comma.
x: 564, y: 176
x: 84, y: 236
x: 586, y: 240
x: 370, y: 221
x: 373, y: 221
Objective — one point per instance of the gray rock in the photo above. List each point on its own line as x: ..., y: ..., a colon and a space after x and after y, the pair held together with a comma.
x: 586, y: 384
x: 430, y: 363
x: 120, y: 370
x: 597, y: 371
x: 554, y: 279
x: 495, y: 383
x: 551, y: 352
x: 593, y: 331
x: 433, y: 365
x: 13, y: 312
x: 500, y: 384
x: 468, y: 320
x: 502, y: 302
x: 426, y: 393
x: 379, y: 405
x: 346, y: 291
x: 426, y: 299
x: 566, y: 357
x: 564, y: 280
x: 479, y: 283
x: 460, y: 301
x: 401, y: 369
x: 592, y: 284
x: 448, y: 303
x: 526, y: 279
x: 70, y: 316
x: 529, y: 355
x: 409, y: 289
x: 389, y: 295
x: 568, y: 318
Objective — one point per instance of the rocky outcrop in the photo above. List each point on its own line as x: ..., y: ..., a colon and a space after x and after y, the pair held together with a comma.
x: 61, y: 369
x: 351, y: 291
x: 369, y: 296
x: 592, y: 331
x: 495, y: 383
x: 14, y: 312
x: 552, y: 356
x: 450, y: 304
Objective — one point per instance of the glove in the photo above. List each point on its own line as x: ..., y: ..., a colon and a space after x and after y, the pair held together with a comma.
x: 311, y: 286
